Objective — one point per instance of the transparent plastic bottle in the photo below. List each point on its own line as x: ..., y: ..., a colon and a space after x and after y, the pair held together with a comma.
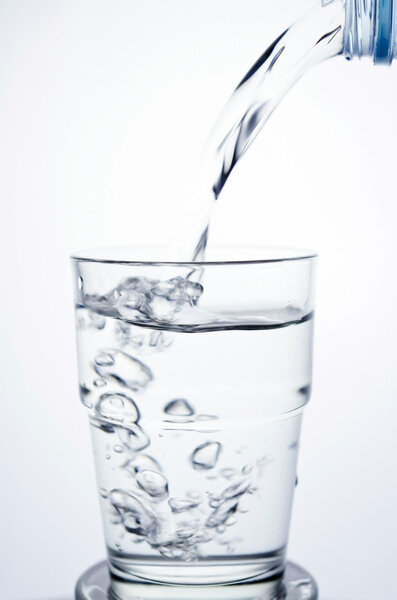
x: 371, y: 30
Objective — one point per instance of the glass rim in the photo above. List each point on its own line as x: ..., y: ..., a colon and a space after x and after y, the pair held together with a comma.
x: 281, y: 255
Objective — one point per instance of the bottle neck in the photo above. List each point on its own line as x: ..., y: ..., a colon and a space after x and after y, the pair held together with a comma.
x: 371, y: 30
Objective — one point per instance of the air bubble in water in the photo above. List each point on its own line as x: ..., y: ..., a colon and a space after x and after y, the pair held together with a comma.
x: 221, y: 514
x: 179, y: 505
x: 123, y: 369
x: 163, y: 288
x: 192, y: 291
x: 206, y: 456
x: 179, y: 408
x: 185, y: 533
x: 130, y: 305
x: 133, y: 437
x: 117, y: 408
x: 118, y: 449
x: 155, y: 338
x: 99, y: 382
x: 104, y: 359
x: 142, y: 462
x: 153, y: 483
x: 228, y: 473
x: 238, y: 489
x: 135, y: 517
x: 179, y: 290
x: 206, y: 417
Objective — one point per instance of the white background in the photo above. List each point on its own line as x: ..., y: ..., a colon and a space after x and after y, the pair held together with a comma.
x: 102, y: 105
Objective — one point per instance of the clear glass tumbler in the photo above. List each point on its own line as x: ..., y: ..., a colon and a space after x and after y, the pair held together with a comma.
x: 195, y: 376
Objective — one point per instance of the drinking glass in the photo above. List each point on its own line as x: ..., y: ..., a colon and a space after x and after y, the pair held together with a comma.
x: 195, y: 376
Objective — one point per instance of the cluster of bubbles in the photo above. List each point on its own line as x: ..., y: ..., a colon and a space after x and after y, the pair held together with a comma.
x: 192, y: 522
x: 143, y: 300
x: 172, y: 525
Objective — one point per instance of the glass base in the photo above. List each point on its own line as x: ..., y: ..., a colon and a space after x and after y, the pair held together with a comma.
x: 98, y: 584
x: 219, y: 570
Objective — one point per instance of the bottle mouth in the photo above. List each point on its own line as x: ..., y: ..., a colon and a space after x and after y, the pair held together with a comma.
x: 371, y: 30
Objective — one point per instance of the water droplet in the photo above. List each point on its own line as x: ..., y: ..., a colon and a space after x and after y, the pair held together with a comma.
x: 135, y: 517
x: 221, y: 529
x: 179, y: 505
x: 133, y: 437
x: 153, y: 483
x: 246, y: 470
x: 293, y: 446
x: 99, y: 382
x: 117, y: 408
x: 220, y: 515
x: 103, y: 492
x: 206, y: 456
x: 104, y: 359
x: 238, y: 489
x: 124, y: 370
x: 107, y: 456
x: 179, y: 408
x: 118, y: 449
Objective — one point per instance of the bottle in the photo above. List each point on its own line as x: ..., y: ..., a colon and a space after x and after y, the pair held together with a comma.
x: 371, y: 29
